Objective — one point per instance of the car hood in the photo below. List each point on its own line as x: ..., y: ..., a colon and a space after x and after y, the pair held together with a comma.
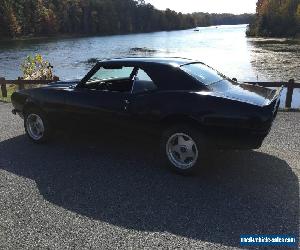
x: 243, y: 92
x: 63, y: 84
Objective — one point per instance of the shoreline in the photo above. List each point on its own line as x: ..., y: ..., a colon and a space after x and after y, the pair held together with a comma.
x: 32, y: 38
x: 70, y: 36
x: 79, y: 35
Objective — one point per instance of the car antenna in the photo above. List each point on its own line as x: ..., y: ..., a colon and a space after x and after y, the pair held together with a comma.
x: 256, y: 79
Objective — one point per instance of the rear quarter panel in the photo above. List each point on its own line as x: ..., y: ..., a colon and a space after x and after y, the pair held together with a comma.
x: 205, y: 108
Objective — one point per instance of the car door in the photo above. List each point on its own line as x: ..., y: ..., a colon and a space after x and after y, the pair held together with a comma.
x: 90, y: 107
x: 143, y: 103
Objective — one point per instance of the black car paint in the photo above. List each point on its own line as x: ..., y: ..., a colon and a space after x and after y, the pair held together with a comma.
x: 230, y: 114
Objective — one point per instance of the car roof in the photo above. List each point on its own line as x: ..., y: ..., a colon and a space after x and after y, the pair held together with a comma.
x: 171, y: 61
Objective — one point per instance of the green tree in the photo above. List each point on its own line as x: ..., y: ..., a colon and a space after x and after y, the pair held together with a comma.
x: 275, y: 18
x: 52, y: 17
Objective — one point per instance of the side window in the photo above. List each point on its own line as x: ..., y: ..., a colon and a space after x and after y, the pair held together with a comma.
x: 143, y: 82
x: 143, y: 76
x: 110, y: 74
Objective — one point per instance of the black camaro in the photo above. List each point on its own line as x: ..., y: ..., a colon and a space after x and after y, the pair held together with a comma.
x: 192, y: 106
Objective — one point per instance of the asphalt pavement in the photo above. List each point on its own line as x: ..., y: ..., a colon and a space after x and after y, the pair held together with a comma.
x: 113, y: 192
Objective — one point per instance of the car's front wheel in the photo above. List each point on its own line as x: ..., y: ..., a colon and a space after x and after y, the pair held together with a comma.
x: 36, y: 126
x: 183, y: 148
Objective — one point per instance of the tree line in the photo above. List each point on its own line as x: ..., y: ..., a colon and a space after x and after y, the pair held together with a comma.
x: 20, y: 18
x: 276, y: 18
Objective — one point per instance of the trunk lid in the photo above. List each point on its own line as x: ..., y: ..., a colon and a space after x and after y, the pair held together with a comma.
x: 248, y: 93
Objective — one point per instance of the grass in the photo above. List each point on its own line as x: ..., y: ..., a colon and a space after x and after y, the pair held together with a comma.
x: 10, y: 89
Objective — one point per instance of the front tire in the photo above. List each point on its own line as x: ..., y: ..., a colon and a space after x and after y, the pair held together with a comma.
x: 183, y: 148
x: 36, y: 125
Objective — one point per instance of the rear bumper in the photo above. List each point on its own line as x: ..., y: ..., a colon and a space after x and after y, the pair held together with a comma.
x: 246, y: 133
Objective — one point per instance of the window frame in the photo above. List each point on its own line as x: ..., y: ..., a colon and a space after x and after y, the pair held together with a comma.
x: 112, y: 78
x: 84, y: 80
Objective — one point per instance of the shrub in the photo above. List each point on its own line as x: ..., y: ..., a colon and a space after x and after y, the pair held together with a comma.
x: 36, y: 68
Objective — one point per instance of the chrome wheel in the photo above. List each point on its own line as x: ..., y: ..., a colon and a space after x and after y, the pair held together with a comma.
x: 182, y: 151
x: 35, y: 127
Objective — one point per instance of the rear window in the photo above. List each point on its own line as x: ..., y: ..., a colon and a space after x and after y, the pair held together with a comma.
x: 203, y: 73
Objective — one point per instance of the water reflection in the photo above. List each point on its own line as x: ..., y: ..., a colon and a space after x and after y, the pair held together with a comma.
x: 277, y: 60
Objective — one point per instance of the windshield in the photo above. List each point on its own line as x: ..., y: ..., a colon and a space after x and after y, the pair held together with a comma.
x: 203, y: 73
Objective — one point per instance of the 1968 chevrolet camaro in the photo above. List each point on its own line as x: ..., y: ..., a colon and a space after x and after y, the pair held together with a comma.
x: 192, y: 106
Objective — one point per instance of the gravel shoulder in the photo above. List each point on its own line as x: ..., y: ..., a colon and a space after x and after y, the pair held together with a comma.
x: 110, y: 192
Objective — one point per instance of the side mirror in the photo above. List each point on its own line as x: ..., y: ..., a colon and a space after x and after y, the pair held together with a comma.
x: 234, y: 79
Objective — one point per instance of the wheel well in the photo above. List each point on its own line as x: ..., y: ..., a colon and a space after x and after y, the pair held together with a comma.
x: 180, y: 119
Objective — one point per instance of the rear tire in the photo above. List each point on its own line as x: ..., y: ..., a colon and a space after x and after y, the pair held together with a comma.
x: 36, y: 125
x: 184, y: 149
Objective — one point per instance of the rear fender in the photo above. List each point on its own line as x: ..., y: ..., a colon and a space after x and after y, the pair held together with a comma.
x: 172, y: 120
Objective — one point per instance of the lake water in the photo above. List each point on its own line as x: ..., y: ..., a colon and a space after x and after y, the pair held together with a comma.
x: 225, y: 48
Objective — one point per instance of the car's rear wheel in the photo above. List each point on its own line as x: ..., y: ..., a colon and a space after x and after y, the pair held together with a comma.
x: 36, y: 126
x: 183, y: 148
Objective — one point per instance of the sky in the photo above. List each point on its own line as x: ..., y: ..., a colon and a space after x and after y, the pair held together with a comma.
x: 210, y: 6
